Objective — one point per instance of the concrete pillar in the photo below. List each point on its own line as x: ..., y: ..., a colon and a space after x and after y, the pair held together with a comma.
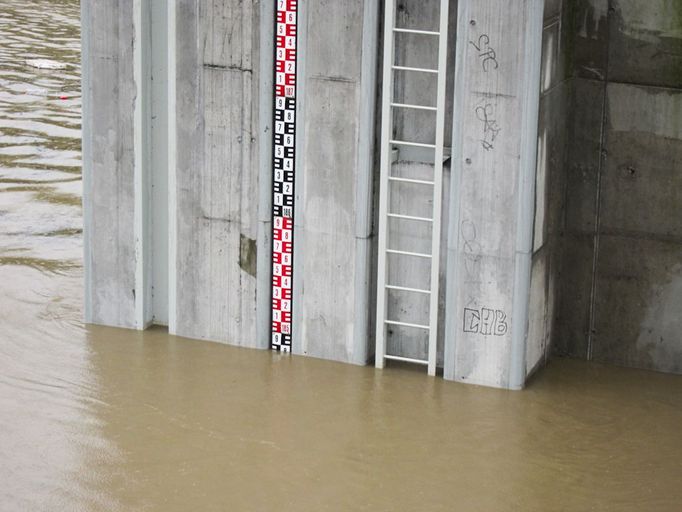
x: 125, y: 169
x: 215, y: 177
x: 110, y: 103
x: 492, y: 193
x: 553, y: 142
x: 333, y: 225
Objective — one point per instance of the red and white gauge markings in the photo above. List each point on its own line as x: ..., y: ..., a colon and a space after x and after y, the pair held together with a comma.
x: 284, y: 154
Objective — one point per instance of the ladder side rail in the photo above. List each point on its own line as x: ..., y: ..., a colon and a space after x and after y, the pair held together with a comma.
x: 385, y: 169
x: 438, y: 189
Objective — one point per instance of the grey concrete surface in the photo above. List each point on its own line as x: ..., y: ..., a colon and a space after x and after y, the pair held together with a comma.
x: 492, y: 192
x: 109, y: 103
x: 550, y: 182
x: 333, y: 230
x: 645, y: 42
x: 217, y: 170
x: 620, y: 291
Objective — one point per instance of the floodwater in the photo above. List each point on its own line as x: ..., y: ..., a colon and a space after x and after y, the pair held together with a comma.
x: 98, y: 419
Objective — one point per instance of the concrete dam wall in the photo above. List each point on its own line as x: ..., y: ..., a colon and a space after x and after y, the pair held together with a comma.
x: 179, y: 118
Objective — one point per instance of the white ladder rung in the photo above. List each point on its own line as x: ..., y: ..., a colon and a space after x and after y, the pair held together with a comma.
x: 409, y: 217
x: 415, y: 31
x: 417, y: 70
x: 407, y: 359
x: 407, y: 324
x: 408, y: 253
x: 415, y: 144
x: 410, y: 180
x: 416, y: 107
x: 406, y: 289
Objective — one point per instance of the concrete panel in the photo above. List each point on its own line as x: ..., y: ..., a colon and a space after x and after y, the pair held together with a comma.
x: 329, y: 193
x: 642, y: 185
x: 553, y: 130
x: 637, y: 310
x: 333, y: 189
x: 591, y: 29
x: 539, y: 317
x: 490, y: 239
x: 575, y: 301
x: 109, y: 96
x: 646, y: 42
x: 556, y: 113
x: 552, y: 72
x: 623, y: 181
x: 217, y: 171
x: 553, y: 8
x: 584, y: 155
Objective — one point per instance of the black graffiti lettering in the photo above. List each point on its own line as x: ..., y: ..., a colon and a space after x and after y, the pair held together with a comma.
x: 485, y: 321
x: 486, y: 54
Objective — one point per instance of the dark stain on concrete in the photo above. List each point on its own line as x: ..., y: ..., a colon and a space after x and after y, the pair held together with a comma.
x: 247, y: 255
x: 651, y: 55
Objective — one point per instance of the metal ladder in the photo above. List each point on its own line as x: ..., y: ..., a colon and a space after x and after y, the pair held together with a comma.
x: 389, y: 106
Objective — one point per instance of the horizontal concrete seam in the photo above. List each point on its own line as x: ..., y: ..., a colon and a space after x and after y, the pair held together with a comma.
x: 617, y: 233
x: 494, y: 95
x: 325, y: 78
x: 219, y: 219
x: 227, y: 68
x: 633, y: 84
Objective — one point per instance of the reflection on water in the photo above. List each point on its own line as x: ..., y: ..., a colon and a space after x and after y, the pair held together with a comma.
x: 40, y: 168
x: 99, y: 419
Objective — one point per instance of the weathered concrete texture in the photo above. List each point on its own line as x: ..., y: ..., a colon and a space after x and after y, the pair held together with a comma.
x: 590, y: 44
x: 582, y: 180
x: 550, y: 185
x: 639, y: 272
x: 645, y: 42
x: 624, y: 195
x: 574, y: 308
x: 584, y: 159
x: 333, y: 233
x: 637, y: 310
x: 109, y: 96
x: 217, y: 170
x: 642, y: 182
x: 489, y: 244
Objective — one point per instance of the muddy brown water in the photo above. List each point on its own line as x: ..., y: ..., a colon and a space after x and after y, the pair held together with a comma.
x: 103, y: 419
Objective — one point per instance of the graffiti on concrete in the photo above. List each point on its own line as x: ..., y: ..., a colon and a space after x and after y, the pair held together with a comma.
x: 491, y: 129
x: 472, y: 252
x: 486, y: 53
x: 485, y: 321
